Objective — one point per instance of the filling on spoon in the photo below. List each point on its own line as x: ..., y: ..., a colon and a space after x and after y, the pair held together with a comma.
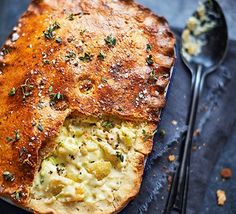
x: 193, y: 36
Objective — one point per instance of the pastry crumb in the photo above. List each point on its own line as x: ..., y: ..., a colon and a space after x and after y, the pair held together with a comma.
x: 171, y: 158
x: 194, y: 148
x: 197, y: 132
x: 226, y: 173
x: 221, y: 197
x: 174, y: 122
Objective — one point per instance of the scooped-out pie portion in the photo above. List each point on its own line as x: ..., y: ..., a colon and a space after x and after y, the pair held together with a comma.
x: 83, y: 83
x: 96, y: 164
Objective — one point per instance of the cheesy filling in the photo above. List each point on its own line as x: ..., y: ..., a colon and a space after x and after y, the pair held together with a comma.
x: 89, y: 161
x: 197, y: 25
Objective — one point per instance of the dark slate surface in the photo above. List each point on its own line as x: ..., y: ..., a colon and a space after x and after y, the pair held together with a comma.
x: 214, y: 148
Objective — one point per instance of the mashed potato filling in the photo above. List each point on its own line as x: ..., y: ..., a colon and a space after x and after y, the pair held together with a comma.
x: 89, y: 161
x: 197, y: 25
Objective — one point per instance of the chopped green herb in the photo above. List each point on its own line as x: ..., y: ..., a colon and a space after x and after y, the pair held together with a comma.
x: 12, y: 92
x: 15, y: 138
x: 56, y: 96
x: 162, y: 133
x: 149, y: 60
x: 149, y: 47
x: 17, y: 135
x: 50, y: 89
x: 86, y: 58
x: 70, y: 56
x: 49, y: 33
x: 71, y: 17
x: 17, y: 195
x: 104, y: 80
x: 120, y: 156
x: 40, y: 127
x: 6, y: 51
x: 46, y: 62
x: 10, y: 139
x: 152, y: 75
x: 101, y: 56
x: 22, y: 151
x: 144, y: 132
x: 40, y: 104
x: 82, y: 32
x: 56, y: 26
x: 59, y: 40
x: 41, y: 179
x: 8, y: 176
x: 107, y: 124
x: 26, y: 89
x: 110, y: 41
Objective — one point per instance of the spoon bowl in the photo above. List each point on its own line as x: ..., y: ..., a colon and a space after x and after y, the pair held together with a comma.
x: 215, y: 40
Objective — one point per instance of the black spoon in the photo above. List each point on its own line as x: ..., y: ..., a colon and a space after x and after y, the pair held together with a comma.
x: 214, y: 42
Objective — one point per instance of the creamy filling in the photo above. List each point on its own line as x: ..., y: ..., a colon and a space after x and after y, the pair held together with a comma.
x: 89, y: 161
x: 197, y: 25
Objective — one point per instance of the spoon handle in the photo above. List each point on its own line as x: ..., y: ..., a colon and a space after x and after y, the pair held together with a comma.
x: 177, y: 199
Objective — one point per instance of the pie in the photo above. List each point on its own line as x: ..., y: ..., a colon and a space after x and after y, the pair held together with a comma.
x: 83, y: 83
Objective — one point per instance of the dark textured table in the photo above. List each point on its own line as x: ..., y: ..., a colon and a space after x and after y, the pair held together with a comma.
x: 213, y: 149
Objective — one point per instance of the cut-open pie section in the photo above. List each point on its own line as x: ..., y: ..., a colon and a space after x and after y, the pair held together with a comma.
x: 105, y: 66
x: 96, y: 164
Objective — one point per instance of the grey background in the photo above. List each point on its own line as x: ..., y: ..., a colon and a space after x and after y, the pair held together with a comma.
x: 215, y: 146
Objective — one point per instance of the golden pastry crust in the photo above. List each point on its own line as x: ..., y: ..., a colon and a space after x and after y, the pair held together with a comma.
x: 56, y: 68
